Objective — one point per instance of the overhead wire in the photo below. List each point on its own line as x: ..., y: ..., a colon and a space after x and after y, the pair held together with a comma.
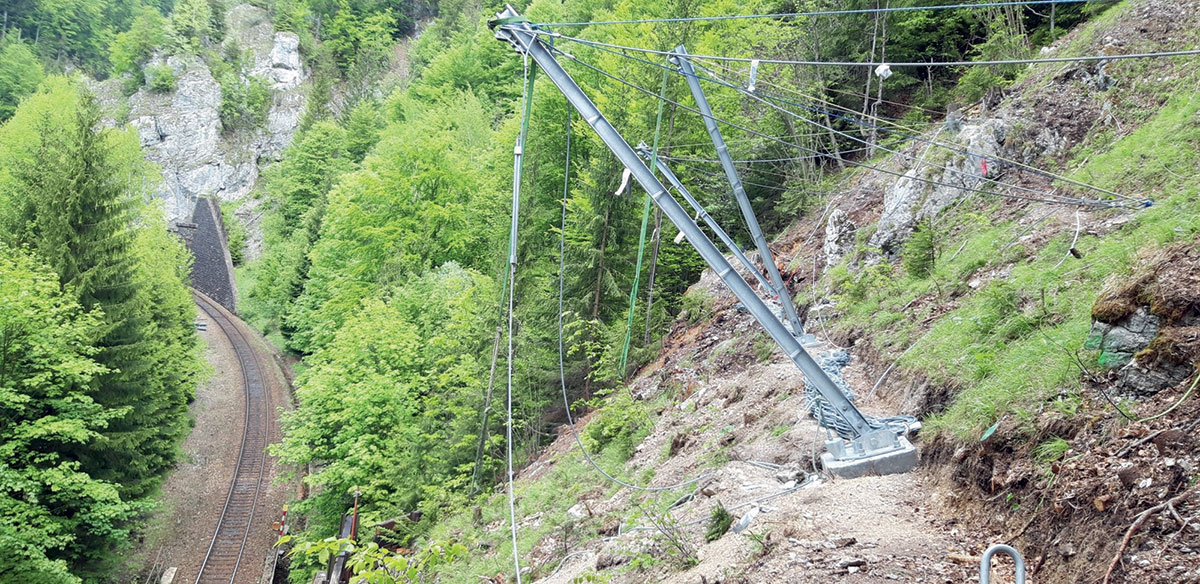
x: 751, y: 131
x: 1036, y: 195
x: 518, y: 155
x: 958, y: 148
x: 835, y: 12
x: 758, y: 96
x: 1075, y: 59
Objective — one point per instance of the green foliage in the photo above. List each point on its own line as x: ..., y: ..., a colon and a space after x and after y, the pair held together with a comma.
x: 245, y: 101
x: 20, y: 74
x: 194, y: 24
x: 719, y: 521
x: 363, y: 126
x: 112, y: 414
x: 698, y: 306
x: 160, y: 78
x: 373, y: 199
x: 52, y: 514
x: 129, y: 50
x: 764, y: 347
x: 1051, y: 450
x: 620, y: 424
x: 370, y: 237
x: 1003, y: 42
x: 235, y: 230
x: 920, y: 251
x: 371, y: 564
x: 417, y: 364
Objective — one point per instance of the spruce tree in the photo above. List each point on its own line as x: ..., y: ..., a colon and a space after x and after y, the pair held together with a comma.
x: 83, y: 226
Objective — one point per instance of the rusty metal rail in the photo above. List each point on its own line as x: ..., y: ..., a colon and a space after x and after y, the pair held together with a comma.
x: 224, y: 555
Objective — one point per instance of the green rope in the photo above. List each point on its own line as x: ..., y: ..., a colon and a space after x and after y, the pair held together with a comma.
x: 637, y: 272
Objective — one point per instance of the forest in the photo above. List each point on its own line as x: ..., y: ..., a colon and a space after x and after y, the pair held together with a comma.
x: 382, y: 266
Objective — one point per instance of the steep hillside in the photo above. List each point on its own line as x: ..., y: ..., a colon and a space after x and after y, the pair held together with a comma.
x: 1048, y: 345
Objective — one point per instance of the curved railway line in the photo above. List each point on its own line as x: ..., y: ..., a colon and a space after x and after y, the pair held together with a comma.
x: 224, y: 555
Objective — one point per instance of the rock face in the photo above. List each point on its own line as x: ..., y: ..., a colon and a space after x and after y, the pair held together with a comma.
x: 182, y: 132
x: 839, y: 237
x: 1119, y: 342
x: 915, y: 197
x: 1121, y: 345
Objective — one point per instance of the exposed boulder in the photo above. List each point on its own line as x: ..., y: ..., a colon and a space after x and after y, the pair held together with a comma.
x: 839, y: 237
x: 1118, y: 342
x: 1148, y: 324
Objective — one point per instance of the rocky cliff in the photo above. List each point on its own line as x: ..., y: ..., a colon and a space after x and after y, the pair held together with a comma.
x: 181, y: 130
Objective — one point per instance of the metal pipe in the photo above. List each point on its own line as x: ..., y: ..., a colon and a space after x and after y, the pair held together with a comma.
x: 704, y: 216
x: 985, y: 564
x: 739, y: 191
x: 509, y: 26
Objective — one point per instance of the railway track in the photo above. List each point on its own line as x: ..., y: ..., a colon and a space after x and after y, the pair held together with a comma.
x: 224, y: 556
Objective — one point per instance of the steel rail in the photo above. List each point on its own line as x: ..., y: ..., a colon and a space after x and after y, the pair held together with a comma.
x: 224, y: 555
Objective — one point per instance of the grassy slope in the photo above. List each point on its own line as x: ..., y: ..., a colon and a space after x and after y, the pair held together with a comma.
x: 1012, y: 344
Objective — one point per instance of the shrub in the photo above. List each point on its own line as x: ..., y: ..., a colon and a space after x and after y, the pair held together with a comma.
x: 160, y: 78
x: 245, y: 101
x: 920, y: 252
x: 718, y: 523
x: 236, y: 233
x: 622, y: 423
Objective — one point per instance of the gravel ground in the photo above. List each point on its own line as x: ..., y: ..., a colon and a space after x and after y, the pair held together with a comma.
x: 195, y: 491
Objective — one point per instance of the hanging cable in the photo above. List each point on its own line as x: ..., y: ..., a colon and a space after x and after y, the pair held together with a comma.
x: 562, y: 368
x: 1081, y: 58
x: 1043, y: 199
x: 1037, y: 196
x: 965, y: 175
x: 783, y: 15
x: 518, y: 159
x: 905, y: 133
x: 637, y: 272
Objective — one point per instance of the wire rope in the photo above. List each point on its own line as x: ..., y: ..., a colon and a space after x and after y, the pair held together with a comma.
x: 864, y: 165
x: 519, y: 152
x: 965, y: 175
x: 954, y: 147
x: 1076, y: 59
x: 1040, y: 196
x: 782, y: 15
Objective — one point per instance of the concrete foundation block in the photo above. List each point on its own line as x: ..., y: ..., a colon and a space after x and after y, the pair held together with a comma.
x: 893, y: 462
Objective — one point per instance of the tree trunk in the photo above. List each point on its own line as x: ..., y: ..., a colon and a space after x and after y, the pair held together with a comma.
x: 821, y: 83
x: 587, y: 380
x: 871, y: 58
x: 878, y: 87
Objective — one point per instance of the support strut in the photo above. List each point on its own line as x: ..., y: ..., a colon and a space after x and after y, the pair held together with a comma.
x: 703, y: 215
x: 869, y: 443
x: 680, y: 58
